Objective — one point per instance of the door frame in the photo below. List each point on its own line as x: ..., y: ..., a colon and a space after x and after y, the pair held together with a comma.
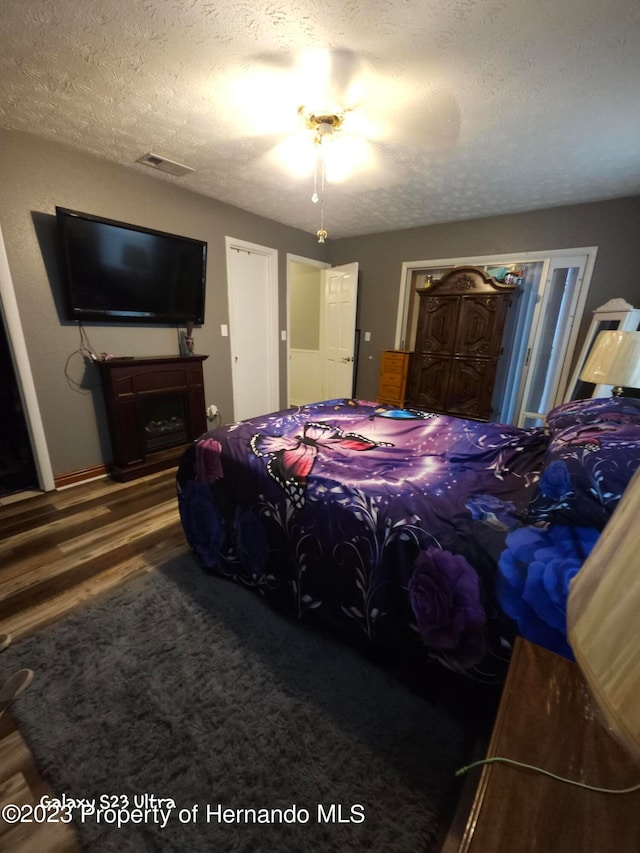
x: 10, y: 315
x: 547, y: 257
x: 576, y: 308
x: 233, y: 244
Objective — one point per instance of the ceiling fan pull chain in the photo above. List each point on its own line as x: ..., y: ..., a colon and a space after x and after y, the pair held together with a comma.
x: 322, y: 234
x: 314, y: 197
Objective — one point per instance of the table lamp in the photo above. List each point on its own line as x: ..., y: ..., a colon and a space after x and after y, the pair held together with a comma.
x: 614, y: 360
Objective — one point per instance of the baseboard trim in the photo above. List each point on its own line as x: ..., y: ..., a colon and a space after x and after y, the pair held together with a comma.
x: 80, y: 476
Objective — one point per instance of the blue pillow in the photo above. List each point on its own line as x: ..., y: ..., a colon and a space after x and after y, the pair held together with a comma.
x: 585, y: 470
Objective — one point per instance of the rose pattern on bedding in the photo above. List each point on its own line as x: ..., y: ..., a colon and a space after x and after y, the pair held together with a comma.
x: 345, y: 545
x: 201, y: 520
x: 445, y: 595
x: 586, y: 469
x: 208, y: 461
x: 535, y: 571
x: 555, y: 483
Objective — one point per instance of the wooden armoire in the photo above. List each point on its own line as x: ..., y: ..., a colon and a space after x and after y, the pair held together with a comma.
x: 458, y: 343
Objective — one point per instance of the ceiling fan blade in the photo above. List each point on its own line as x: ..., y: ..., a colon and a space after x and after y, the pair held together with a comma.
x: 371, y: 170
x: 409, y: 112
x: 335, y: 78
x: 358, y: 163
x: 323, y: 80
x: 256, y: 101
x: 295, y: 155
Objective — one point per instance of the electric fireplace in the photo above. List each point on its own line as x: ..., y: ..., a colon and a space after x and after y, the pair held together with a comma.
x: 155, y: 407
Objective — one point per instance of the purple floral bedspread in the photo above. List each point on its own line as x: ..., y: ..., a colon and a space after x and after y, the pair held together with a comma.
x: 593, y: 452
x: 431, y: 535
x: 385, y: 525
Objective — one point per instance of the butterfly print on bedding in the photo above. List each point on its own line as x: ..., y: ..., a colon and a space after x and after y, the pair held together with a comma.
x: 292, y: 458
x: 592, y: 445
x: 403, y: 414
x: 584, y: 438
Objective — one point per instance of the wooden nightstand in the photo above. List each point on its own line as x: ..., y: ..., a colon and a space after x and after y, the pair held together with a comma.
x: 392, y: 384
x: 547, y: 718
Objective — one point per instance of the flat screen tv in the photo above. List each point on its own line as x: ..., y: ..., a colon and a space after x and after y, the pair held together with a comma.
x: 121, y: 273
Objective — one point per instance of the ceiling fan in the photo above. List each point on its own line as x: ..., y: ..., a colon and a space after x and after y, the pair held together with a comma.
x: 345, y: 104
x: 334, y: 115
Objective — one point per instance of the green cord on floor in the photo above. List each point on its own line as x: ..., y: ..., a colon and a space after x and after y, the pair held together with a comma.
x: 521, y: 764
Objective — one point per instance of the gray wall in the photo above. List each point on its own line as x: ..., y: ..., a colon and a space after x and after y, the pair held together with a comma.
x: 35, y: 176
x: 610, y: 225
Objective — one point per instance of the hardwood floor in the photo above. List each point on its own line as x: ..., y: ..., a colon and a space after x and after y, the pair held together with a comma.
x: 58, y: 551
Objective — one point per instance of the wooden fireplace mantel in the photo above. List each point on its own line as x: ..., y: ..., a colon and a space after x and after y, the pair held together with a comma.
x: 131, y: 387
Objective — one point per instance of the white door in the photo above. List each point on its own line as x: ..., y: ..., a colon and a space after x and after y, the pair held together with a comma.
x: 340, y: 291
x: 548, y: 350
x: 252, y: 283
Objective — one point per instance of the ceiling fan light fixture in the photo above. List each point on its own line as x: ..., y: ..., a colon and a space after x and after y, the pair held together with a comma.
x: 322, y: 124
x: 324, y: 129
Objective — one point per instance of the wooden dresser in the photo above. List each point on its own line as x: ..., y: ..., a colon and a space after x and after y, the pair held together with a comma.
x: 392, y: 384
x: 547, y: 718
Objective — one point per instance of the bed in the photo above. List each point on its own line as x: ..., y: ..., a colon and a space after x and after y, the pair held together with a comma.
x: 426, y: 535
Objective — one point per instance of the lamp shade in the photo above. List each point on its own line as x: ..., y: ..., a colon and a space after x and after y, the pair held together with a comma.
x: 603, y: 621
x: 614, y: 360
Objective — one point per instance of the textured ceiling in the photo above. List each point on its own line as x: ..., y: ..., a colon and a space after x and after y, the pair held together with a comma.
x: 476, y: 107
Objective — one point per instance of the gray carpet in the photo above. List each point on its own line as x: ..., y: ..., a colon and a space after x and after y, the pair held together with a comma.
x: 184, y: 686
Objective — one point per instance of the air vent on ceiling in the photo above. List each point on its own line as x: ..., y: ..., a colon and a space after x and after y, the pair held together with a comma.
x: 164, y: 165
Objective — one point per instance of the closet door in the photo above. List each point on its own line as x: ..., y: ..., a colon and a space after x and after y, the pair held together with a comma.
x: 478, y: 341
x: 437, y: 324
x: 435, y: 347
x: 471, y: 382
x: 429, y: 388
x: 480, y: 325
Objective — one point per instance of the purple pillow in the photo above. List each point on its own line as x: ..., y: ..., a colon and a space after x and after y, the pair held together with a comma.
x: 585, y: 471
x: 595, y: 410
